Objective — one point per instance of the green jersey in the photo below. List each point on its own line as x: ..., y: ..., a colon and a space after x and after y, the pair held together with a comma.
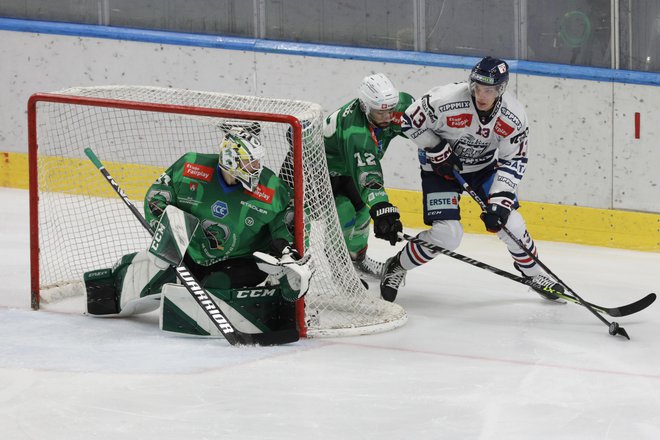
x: 353, y: 147
x: 234, y: 222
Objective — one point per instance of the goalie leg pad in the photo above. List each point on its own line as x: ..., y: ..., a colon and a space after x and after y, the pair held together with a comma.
x: 101, y: 295
x: 131, y: 287
x: 250, y: 310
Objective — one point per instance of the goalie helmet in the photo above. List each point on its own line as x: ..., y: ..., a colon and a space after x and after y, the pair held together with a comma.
x: 378, y: 98
x: 490, y: 72
x: 240, y: 156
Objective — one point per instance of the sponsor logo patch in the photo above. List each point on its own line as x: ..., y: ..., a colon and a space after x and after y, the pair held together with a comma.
x: 502, y: 128
x: 220, y: 209
x: 195, y: 171
x: 262, y: 193
x: 256, y: 208
x: 459, y: 121
x: 454, y: 106
x: 505, y: 180
x: 441, y: 201
x: 509, y: 114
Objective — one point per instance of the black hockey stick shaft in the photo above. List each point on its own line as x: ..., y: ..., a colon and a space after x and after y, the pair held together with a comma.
x: 624, y: 310
x: 199, y: 294
x: 614, y: 328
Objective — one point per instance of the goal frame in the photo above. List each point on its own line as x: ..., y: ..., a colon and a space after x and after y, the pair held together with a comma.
x: 33, y: 145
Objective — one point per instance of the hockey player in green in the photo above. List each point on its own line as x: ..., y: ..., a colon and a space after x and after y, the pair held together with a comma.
x: 357, y: 136
x: 240, y: 208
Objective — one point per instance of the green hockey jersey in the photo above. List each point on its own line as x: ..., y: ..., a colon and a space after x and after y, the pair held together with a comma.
x: 355, y: 148
x: 234, y: 222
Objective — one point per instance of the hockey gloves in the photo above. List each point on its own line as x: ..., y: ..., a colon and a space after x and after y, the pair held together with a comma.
x: 386, y: 222
x: 290, y: 265
x: 443, y: 160
x: 497, y: 212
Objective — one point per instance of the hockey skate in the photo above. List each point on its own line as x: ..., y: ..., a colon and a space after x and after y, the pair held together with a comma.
x: 367, y: 268
x: 541, y: 282
x: 392, y: 278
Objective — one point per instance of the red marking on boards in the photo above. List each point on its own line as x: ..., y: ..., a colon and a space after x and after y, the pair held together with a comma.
x: 637, y: 118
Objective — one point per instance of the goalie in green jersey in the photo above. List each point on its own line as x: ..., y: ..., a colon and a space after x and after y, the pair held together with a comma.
x: 229, y: 208
x: 356, y: 137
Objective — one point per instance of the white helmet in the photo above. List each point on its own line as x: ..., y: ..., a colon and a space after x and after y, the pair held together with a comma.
x: 240, y: 157
x: 377, y: 93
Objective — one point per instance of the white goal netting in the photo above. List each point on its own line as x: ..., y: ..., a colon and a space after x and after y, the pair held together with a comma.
x: 83, y: 225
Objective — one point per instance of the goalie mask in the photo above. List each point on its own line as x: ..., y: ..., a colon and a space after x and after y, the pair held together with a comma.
x: 240, y: 156
x: 378, y: 98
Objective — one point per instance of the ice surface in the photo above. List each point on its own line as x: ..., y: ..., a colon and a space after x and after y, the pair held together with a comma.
x: 480, y: 358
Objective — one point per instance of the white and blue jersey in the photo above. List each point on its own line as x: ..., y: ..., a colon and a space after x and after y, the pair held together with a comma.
x: 448, y: 112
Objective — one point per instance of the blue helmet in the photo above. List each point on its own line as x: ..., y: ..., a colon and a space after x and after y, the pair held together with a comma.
x: 490, y: 72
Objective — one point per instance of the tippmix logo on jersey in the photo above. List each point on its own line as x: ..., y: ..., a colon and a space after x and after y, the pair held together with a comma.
x: 195, y: 171
x: 262, y: 193
x: 220, y: 209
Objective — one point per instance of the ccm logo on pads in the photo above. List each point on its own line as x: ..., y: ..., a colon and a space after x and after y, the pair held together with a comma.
x: 195, y: 171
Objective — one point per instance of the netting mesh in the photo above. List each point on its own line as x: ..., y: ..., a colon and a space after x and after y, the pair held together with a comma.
x: 83, y: 224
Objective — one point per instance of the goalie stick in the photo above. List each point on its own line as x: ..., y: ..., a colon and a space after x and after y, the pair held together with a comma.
x: 624, y: 310
x: 199, y: 294
x: 614, y: 328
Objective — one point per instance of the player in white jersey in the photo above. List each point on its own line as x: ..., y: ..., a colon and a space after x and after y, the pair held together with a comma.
x: 480, y: 129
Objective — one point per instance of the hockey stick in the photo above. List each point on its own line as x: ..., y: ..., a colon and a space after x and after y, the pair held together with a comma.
x: 614, y: 328
x: 624, y: 310
x: 211, y: 309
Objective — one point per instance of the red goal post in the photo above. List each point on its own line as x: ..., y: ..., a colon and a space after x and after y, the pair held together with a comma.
x: 76, y: 224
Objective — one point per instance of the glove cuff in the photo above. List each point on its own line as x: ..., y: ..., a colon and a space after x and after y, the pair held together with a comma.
x: 383, y: 208
x: 504, y: 199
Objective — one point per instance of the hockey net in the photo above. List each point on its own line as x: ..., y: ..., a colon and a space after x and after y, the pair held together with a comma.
x: 79, y: 224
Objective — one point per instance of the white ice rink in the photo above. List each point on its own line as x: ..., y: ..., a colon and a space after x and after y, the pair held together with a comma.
x: 480, y: 358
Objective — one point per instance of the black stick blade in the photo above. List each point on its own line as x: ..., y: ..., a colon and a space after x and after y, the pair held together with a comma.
x: 635, y: 307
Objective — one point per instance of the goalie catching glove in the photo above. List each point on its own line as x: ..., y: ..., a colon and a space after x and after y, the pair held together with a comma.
x: 289, y: 265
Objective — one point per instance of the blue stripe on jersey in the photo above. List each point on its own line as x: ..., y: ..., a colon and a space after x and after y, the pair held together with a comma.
x: 512, y: 172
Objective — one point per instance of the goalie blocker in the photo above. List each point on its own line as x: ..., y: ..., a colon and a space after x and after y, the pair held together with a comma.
x: 145, y: 281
